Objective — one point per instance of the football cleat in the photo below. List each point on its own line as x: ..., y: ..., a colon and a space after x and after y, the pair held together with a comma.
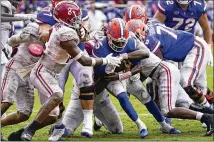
x: 208, y: 119
x: 58, y: 133
x: 97, y: 124
x: 27, y: 134
x: 144, y: 133
x: 16, y: 136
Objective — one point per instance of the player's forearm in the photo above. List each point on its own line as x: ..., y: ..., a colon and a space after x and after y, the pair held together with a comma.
x: 16, y: 17
x: 90, y: 61
x: 207, y: 36
x: 136, y: 55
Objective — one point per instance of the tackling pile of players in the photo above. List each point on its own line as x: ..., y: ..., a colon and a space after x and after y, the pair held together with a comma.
x: 115, y: 60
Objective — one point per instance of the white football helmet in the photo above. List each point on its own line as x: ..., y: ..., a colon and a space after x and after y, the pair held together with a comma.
x: 183, y: 1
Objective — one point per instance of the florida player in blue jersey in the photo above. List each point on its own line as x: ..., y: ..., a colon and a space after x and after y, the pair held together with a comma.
x: 137, y: 12
x: 127, y: 48
x: 180, y: 46
x: 183, y: 15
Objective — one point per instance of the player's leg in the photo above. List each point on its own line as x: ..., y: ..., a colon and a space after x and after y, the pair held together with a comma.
x: 47, y: 84
x: 105, y: 111
x: 118, y: 89
x: 84, y: 78
x: 136, y: 88
x: 194, y: 66
x: 9, y: 86
x: 63, y: 77
x: 24, y: 103
x: 168, y: 91
x: 71, y: 119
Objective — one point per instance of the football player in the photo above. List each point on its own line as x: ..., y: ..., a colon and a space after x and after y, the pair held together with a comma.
x: 46, y: 20
x: 177, y: 46
x: 62, y: 45
x: 183, y: 15
x: 16, y: 85
x: 138, y: 12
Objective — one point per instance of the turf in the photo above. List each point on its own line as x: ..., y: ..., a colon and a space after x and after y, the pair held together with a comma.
x: 191, y: 130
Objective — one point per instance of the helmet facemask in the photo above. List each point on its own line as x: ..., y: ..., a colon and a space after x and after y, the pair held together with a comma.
x: 117, y: 44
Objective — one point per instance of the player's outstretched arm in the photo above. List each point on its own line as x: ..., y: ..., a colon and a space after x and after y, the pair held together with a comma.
x: 16, y: 17
x: 159, y: 16
x: 74, y: 51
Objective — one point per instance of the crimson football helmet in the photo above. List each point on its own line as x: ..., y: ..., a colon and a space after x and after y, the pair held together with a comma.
x: 68, y: 13
x: 136, y: 12
x: 183, y: 1
x: 117, y: 34
x: 137, y: 27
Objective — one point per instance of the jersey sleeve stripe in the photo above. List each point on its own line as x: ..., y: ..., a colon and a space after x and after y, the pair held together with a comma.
x: 85, y: 18
x: 155, y: 47
x: 162, y: 10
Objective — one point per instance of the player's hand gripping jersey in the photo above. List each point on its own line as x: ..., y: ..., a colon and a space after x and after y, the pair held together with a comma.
x: 102, y: 49
x: 174, y: 44
x: 177, y: 18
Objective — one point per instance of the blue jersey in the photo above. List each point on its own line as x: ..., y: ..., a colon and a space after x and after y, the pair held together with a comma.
x: 112, y: 13
x: 46, y: 16
x: 174, y: 44
x: 179, y: 19
x: 101, y: 49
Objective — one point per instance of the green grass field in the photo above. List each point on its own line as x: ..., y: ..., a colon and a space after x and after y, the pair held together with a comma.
x: 191, y: 130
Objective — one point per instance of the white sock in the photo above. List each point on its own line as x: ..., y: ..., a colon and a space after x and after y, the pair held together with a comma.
x: 205, y: 103
x: 199, y: 115
x: 88, y: 122
x: 140, y: 124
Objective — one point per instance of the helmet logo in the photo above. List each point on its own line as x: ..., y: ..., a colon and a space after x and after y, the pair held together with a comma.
x: 69, y: 11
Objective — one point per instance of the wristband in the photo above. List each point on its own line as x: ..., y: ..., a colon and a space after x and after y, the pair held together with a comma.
x: 78, y: 56
x: 105, y: 62
x: 125, y: 75
x: 93, y: 61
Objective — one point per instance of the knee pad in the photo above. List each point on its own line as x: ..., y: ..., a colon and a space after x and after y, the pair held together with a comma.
x: 194, y: 93
x: 87, y: 90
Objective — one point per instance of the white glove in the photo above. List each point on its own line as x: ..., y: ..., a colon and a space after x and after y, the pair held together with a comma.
x: 210, y: 61
x: 96, y: 35
x: 110, y: 60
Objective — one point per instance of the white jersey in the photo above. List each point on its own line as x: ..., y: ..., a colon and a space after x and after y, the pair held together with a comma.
x: 60, y: 33
x: 23, y: 61
x: 149, y: 64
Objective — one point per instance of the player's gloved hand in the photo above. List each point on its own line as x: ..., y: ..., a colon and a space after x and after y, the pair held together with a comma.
x: 96, y: 35
x: 110, y: 60
x: 210, y: 62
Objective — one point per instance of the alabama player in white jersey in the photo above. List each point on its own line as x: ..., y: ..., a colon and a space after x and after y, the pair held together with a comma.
x: 73, y: 116
x: 16, y: 86
x: 61, y: 46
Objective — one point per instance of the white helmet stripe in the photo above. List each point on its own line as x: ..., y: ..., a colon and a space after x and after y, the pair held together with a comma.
x: 130, y: 12
x: 121, y: 27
